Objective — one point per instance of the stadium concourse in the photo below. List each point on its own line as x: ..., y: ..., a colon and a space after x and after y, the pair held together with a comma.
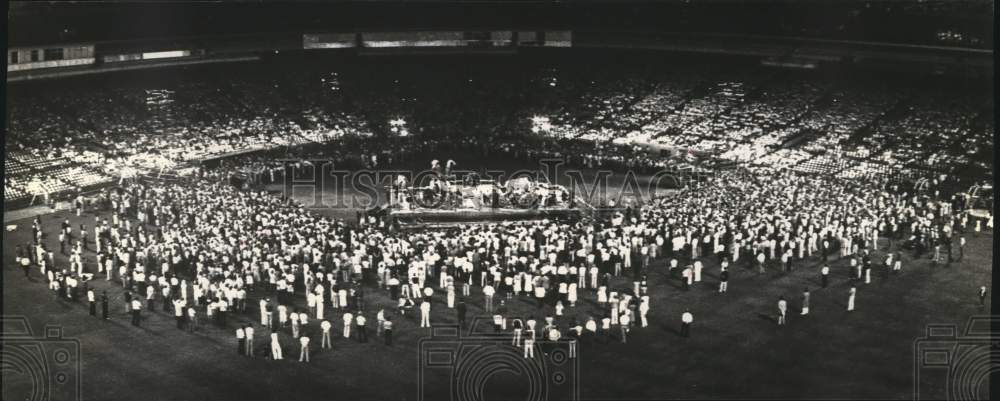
x: 858, y: 177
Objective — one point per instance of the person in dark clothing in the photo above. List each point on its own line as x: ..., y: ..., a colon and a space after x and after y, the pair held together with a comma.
x: 460, y: 308
x: 946, y: 241
x: 241, y: 341
x: 92, y: 303
x: 104, y: 305
x: 166, y: 303
x: 686, y: 319
x: 387, y: 331
x: 136, y: 307
x: 26, y: 265
x: 362, y: 328
x: 62, y: 288
x: 128, y: 301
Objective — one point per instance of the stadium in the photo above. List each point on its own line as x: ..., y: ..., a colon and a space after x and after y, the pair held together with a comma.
x: 558, y: 200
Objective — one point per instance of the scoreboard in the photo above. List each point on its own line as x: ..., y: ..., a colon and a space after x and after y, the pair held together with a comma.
x: 438, y: 39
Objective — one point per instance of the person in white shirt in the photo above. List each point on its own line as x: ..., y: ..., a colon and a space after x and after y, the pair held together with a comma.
x: 248, y: 331
x: 805, y: 302
x: 488, y: 292
x: 688, y: 277
x: 342, y: 298
x: 591, y: 326
x: 554, y: 335
x: 825, y: 275
x: 241, y: 341
x: 192, y: 316
x: 179, y: 305
x: 136, y: 307
x: 451, y: 293
x: 282, y: 315
x: 275, y: 347
x: 92, y: 301
x: 516, y: 341
x: 686, y: 319
x: 961, y: 248
x: 304, y: 352
x: 311, y: 301
x: 387, y: 327
x: 624, y: 323
x: 150, y: 292
x: 379, y: 321
x: 295, y: 324
x: 362, y: 329
x: 325, y: 341
x: 263, y: 312
x: 348, y: 319
x: 529, y: 343
x: 223, y: 311
x: 782, y: 309
x: 644, y: 310
x: 425, y: 314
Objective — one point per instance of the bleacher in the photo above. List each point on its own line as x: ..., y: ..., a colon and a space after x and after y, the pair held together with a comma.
x: 739, y: 113
x: 26, y: 173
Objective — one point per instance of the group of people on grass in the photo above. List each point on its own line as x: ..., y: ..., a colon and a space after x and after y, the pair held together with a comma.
x: 203, y: 250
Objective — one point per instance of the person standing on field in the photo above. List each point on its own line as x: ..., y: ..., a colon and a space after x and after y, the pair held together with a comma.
x: 782, y: 309
x: 686, y: 319
x: 805, y: 302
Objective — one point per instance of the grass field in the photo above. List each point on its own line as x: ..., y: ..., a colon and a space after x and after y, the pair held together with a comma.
x: 736, y: 350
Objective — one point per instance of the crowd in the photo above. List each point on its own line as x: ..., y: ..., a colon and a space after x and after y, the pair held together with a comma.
x: 851, y: 127
x: 111, y: 130
x: 228, y: 242
x: 789, y: 120
x: 202, y: 251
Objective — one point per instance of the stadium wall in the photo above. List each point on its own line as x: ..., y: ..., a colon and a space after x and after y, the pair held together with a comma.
x: 32, y: 58
x: 777, y: 51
